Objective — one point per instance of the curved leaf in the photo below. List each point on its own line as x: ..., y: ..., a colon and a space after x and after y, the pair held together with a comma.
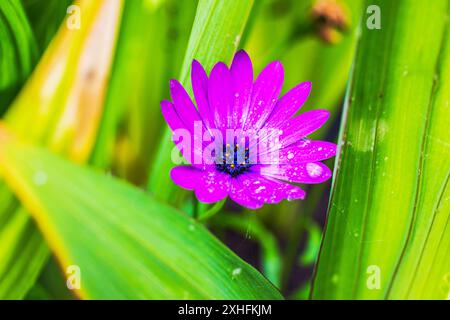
x: 126, y: 244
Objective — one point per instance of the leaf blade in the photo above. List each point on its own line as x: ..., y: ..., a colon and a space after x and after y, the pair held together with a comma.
x: 139, y: 243
x: 372, y: 219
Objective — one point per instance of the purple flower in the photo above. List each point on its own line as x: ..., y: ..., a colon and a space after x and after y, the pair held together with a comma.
x: 268, y: 154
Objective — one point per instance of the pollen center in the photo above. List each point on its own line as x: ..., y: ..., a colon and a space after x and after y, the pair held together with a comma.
x: 235, y: 160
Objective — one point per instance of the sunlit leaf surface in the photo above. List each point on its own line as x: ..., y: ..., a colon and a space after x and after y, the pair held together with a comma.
x: 59, y: 107
x: 126, y: 244
x: 387, y: 234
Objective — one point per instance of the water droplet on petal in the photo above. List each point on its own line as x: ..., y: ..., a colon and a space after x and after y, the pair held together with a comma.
x: 259, y: 189
x: 314, y: 170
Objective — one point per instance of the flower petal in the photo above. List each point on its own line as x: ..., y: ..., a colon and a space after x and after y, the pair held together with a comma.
x: 170, y: 115
x: 186, y: 177
x: 220, y: 94
x: 183, y: 105
x: 240, y: 195
x: 289, y: 104
x: 212, y: 186
x: 300, y: 152
x: 199, y: 81
x: 310, y: 172
x: 270, y: 190
x: 189, y: 144
x: 265, y: 93
x: 302, y: 125
x: 242, y: 75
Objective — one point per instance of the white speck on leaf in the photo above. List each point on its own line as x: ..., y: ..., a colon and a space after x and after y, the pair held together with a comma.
x: 236, y: 272
x: 40, y: 178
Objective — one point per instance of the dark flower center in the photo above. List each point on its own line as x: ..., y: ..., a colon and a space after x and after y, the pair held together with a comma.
x: 234, y: 160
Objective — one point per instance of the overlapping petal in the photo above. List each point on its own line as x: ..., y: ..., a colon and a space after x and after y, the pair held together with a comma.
x: 309, y: 172
x: 199, y: 81
x: 302, y: 125
x: 289, y: 104
x: 265, y: 93
x: 240, y: 195
x: 220, y: 93
x: 300, y: 152
x: 184, y: 106
x: 270, y: 190
x: 242, y: 75
x: 209, y: 185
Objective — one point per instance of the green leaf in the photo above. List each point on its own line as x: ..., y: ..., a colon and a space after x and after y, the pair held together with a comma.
x: 45, y: 18
x: 389, y: 214
x: 151, y: 42
x: 126, y: 244
x: 52, y: 110
x: 215, y: 35
x: 309, y: 255
x: 18, y: 50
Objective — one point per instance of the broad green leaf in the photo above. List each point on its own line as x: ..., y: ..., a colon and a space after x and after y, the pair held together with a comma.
x: 68, y: 86
x: 18, y: 50
x: 126, y: 244
x: 59, y: 107
x: 215, y: 36
x: 389, y: 214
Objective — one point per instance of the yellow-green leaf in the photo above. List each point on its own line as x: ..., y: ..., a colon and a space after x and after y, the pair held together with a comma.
x: 387, y: 232
x: 125, y: 243
x: 59, y: 107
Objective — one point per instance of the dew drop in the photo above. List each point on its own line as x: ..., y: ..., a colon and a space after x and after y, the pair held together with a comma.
x: 259, y: 189
x: 314, y: 170
x: 236, y: 272
x: 290, y: 155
